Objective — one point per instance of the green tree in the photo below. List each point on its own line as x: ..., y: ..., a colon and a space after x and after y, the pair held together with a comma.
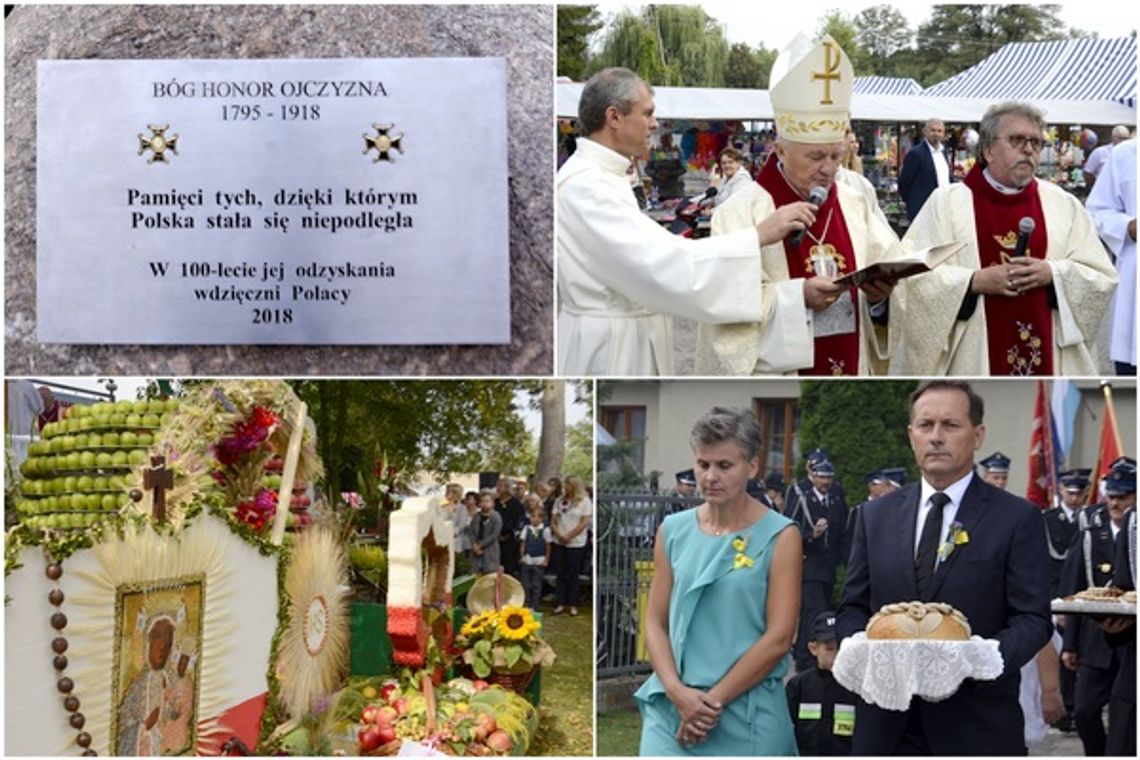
x: 441, y: 426
x: 672, y: 45
x: 862, y: 426
x: 580, y: 450
x: 880, y: 31
x: 958, y: 36
x: 575, y: 25
x: 843, y: 31
x: 747, y: 67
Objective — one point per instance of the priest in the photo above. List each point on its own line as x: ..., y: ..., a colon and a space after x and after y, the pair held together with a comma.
x: 622, y: 277
x: 1028, y: 293
x: 808, y: 323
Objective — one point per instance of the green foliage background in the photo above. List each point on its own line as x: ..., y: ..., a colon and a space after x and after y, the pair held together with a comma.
x: 861, y: 425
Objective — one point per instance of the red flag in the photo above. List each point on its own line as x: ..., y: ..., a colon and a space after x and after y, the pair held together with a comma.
x: 1110, y: 448
x: 1042, y: 468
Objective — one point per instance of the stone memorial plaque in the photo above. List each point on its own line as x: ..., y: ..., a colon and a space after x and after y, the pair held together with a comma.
x: 332, y: 201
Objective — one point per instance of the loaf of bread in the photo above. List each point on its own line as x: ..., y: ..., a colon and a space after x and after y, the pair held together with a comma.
x: 1100, y: 593
x: 919, y: 620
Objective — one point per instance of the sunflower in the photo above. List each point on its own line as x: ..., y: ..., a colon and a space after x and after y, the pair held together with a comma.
x: 517, y: 623
x: 478, y: 624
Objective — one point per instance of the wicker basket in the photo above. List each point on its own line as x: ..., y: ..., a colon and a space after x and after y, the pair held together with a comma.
x: 516, y: 682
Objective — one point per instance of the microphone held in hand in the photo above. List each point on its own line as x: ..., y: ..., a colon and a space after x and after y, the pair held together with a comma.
x: 704, y: 198
x: 1024, y: 229
x: 816, y: 197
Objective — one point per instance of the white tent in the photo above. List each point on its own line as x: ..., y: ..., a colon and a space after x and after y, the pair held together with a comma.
x: 711, y: 103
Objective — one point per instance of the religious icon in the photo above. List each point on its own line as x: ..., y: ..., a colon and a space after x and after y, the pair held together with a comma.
x: 158, y: 630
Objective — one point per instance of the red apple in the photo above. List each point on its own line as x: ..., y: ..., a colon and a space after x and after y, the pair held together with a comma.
x: 479, y: 685
x: 368, y: 714
x: 386, y: 714
x: 401, y: 705
x: 387, y: 733
x: 369, y: 738
x: 386, y: 691
x: 500, y: 741
x: 487, y: 723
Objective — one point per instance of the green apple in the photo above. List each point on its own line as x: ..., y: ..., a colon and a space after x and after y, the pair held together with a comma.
x: 104, y: 459
x: 84, y: 483
x: 70, y: 484
x: 166, y: 418
x: 139, y: 407
x: 158, y: 406
x: 109, y: 501
x: 70, y: 426
x: 87, y: 459
x: 146, y: 439
x: 99, y: 483
x: 116, y: 482
x: 172, y: 404
x: 119, y: 458
x: 82, y: 440
x: 150, y: 420
x: 101, y: 410
x: 111, y: 439
x: 71, y: 461
x: 124, y: 406
x: 133, y: 420
x: 92, y: 502
x: 63, y: 502
x: 137, y: 456
x: 129, y: 438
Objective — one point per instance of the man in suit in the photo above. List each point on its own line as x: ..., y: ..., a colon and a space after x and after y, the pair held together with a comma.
x: 820, y: 511
x: 924, y: 169
x: 996, y: 579
x: 1086, y: 649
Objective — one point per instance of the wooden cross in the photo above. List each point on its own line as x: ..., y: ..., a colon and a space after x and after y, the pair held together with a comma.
x: 831, y: 61
x: 159, y: 479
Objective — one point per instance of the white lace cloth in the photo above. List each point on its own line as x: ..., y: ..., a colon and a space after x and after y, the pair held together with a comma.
x: 888, y: 673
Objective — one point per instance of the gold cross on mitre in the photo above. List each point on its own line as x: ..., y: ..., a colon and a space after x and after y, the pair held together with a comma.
x: 831, y: 61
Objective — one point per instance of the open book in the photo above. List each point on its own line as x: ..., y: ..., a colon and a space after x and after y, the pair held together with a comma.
x: 920, y: 261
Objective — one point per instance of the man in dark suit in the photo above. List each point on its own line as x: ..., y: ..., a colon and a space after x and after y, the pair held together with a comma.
x: 925, y: 168
x: 820, y: 511
x: 996, y: 578
x: 1086, y: 649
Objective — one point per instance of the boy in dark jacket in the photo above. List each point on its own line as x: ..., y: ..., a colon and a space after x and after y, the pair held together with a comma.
x: 823, y: 712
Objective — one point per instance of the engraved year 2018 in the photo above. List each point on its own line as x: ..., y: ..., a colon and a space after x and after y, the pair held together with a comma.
x: 272, y: 316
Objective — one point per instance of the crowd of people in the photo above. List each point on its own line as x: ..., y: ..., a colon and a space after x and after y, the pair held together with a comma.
x: 1021, y: 281
x: 723, y: 656
x: 531, y: 533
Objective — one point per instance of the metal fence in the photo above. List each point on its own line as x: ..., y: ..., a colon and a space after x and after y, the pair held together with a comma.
x: 626, y: 526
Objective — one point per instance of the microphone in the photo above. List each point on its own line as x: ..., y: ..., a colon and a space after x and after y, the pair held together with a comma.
x: 1025, y: 228
x: 701, y: 199
x: 816, y: 197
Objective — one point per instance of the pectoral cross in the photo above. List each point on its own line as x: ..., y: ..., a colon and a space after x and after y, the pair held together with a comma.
x: 830, y: 71
x: 160, y: 480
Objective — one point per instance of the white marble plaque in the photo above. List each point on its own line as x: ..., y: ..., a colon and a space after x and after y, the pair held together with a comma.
x: 360, y: 201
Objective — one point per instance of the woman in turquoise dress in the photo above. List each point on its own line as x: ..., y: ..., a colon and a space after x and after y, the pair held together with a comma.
x: 722, y: 609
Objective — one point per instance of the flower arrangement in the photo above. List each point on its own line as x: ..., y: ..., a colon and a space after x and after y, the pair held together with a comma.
x: 739, y: 544
x: 504, y: 641
x: 958, y: 537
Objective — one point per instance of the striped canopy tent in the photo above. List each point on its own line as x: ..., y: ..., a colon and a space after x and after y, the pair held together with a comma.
x: 1070, y: 70
x: 886, y: 86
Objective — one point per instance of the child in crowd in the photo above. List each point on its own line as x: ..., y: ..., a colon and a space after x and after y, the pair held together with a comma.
x: 823, y: 712
x: 534, y: 550
x: 484, y: 530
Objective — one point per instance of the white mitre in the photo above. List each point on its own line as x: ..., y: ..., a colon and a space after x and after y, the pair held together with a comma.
x: 810, y: 89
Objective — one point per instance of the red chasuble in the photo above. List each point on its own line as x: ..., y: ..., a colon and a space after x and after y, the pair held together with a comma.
x: 834, y: 354
x: 1019, y: 330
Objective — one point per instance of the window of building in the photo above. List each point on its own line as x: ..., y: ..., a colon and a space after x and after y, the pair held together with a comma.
x: 627, y: 423
x: 779, y: 435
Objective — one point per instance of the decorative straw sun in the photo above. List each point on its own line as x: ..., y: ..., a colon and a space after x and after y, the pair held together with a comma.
x: 314, y: 650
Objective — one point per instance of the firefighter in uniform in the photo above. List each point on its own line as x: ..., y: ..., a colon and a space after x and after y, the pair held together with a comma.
x: 879, y: 483
x: 823, y: 712
x: 820, y: 511
x: 1085, y: 647
x: 1121, y: 485
x: 1061, y: 525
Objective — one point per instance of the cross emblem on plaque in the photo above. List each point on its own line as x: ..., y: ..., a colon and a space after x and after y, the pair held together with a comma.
x: 830, y: 71
x: 160, y: 480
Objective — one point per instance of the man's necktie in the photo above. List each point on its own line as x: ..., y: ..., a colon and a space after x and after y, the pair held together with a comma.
x: 928, y: 544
